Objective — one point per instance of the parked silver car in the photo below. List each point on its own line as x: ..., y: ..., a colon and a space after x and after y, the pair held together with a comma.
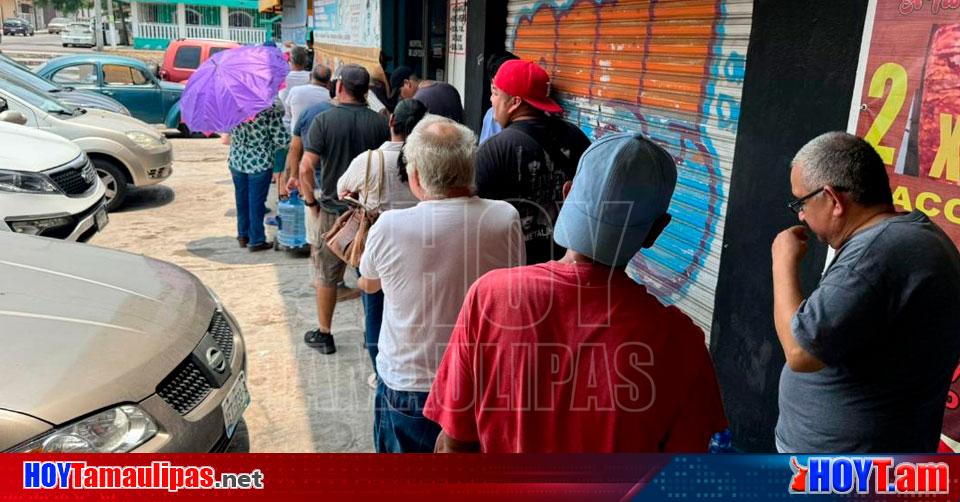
x: 105, y: 351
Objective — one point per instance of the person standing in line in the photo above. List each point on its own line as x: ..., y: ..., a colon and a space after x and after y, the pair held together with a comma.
x: 529, y: 161
x: 572, y: 355
x: 335, y: 138
x: 490, y: 126
x: 396, y: 195
x: 424, y: 258
x: 306, y: 102
x: 250, y: 161
x: 298, y: 76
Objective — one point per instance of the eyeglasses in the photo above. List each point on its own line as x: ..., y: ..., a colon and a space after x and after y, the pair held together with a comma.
x: 797, y: 205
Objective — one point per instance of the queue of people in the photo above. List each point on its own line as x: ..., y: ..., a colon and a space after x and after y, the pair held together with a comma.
x: 498, y: 313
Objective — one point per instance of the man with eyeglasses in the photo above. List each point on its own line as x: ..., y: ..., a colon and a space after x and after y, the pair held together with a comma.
x: 870, y: 353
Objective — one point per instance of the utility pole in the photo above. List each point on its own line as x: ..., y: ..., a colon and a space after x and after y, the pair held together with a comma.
x: 113, y: 27
x: 97, y: 25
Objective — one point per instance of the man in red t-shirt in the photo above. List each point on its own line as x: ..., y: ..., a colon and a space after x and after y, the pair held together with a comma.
x: 573, y: 355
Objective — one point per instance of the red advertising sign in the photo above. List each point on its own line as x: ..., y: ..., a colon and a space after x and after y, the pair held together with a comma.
x: 907, y: 105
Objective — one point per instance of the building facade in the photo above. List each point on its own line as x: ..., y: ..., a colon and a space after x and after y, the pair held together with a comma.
x: 154, y: 24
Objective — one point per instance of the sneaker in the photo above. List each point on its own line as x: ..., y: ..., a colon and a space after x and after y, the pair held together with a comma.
x: 372, y: 380
x: 320, y: 341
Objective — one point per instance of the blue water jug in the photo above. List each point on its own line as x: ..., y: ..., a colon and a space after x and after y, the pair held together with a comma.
x: 292, y: 233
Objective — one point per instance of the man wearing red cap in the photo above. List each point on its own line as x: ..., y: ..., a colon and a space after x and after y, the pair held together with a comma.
x: 529, y: 161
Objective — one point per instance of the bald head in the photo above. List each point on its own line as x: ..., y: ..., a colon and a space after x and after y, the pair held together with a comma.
x: 441, y: 151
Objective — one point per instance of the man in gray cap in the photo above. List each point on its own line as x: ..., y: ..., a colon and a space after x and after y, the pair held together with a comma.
x: 334, y: 138
x: 573, y: 355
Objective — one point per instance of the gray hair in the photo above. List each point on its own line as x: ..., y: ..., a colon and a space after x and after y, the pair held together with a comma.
x: 442, y: 152
x: 845, y: 162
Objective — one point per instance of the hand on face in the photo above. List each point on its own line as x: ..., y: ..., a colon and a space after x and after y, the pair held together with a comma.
x: 789, y: 246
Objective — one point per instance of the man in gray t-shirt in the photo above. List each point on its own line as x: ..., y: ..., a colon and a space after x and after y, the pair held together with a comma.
x: 870, y: 354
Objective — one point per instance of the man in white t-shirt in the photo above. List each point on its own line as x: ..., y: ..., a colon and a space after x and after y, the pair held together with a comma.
x: 425, y: 258
x: 304, y: 96
x: 298, y: 76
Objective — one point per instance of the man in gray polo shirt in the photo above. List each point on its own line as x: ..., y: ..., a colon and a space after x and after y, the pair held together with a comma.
x: 870, y: 353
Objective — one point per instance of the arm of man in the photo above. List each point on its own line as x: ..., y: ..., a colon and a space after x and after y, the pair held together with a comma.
x: 788, y: 249
x: 293, y: 163
x: 369, y: 269
x: 307, y: 168
x: 446, y: 444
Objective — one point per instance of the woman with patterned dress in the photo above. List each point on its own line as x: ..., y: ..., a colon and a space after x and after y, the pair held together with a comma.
x: 252, y: 144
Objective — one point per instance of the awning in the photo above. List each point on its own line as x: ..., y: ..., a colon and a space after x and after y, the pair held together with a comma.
x: 234, y: 4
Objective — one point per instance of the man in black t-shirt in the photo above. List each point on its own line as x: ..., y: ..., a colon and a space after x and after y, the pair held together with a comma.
x: 529, y: 161
x: 334, y: 138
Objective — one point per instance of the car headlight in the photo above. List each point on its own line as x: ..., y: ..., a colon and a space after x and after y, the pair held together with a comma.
x: 20, y: 182
x: 117, y: 430
x: 36, y: 227
x: 143, y: 140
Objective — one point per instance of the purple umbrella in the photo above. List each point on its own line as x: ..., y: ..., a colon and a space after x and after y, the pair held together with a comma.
x: 231, y: 87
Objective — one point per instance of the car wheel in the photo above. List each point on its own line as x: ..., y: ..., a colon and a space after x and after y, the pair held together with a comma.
x: 114, y: 181
x: 65, y: 45
x: 185, y: 131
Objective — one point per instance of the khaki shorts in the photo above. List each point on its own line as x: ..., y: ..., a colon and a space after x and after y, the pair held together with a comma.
x: 328, y: 268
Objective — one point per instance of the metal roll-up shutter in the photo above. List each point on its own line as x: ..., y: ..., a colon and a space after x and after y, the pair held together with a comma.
x: 674, y: 71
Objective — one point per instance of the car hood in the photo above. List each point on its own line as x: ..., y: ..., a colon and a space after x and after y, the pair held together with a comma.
x: 114, y: 122
x: 27, y: 149
x: 86, y: 328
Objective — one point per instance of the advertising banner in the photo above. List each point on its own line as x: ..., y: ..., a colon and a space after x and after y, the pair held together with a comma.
x: 906, y: 103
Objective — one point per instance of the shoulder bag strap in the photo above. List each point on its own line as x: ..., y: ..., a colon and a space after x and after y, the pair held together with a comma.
x: 366, y: 179
x: 383, y: 179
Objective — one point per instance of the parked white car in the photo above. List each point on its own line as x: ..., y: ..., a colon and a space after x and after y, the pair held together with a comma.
x: 48, y: 186
x: 77, y: 34
x: 124, y: 151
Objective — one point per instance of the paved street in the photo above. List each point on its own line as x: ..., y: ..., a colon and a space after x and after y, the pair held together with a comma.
x: 40, y: 43
x: 302, y: 401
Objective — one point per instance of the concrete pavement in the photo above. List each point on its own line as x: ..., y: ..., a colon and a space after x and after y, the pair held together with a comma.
x: 303, y: 401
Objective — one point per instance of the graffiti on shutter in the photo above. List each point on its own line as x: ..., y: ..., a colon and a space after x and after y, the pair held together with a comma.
x: 672, y: 70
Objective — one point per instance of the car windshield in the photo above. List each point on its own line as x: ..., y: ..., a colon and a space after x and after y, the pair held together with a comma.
x: 79, y: 28
x: 15, y: 72
x: 36, y: 97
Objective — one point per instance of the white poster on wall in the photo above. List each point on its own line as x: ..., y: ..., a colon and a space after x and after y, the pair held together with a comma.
x: 457, y: 45
x: 354, y: 23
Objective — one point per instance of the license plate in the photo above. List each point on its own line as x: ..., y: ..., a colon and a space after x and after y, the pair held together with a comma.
x: 101, y: 218
x: 233, y: 405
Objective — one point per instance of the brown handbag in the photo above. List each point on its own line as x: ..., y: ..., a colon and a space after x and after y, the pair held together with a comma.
x: 348, y: 235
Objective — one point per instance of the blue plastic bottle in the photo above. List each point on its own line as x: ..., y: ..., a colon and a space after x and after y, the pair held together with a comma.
x: 292, y: 232
x: 722, y: 442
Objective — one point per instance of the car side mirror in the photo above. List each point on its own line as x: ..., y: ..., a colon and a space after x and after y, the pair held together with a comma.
x: 13, y: 117
x: 3, y: 105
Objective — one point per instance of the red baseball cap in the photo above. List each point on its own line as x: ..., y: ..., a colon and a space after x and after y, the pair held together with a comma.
x: 529, y: 82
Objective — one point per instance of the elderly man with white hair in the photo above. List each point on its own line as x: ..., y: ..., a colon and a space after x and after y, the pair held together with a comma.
x: 425, y: 258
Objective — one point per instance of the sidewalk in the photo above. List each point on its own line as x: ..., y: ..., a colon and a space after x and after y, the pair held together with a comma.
x: 303, y: 401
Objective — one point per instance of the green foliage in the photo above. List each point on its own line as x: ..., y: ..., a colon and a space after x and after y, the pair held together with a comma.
x: 65, y: 6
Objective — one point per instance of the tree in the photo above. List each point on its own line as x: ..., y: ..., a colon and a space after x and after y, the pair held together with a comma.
x: 65, y: 6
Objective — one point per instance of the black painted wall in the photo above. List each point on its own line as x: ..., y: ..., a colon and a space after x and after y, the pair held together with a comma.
x: 801, y: 67
x: 486, y: 31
